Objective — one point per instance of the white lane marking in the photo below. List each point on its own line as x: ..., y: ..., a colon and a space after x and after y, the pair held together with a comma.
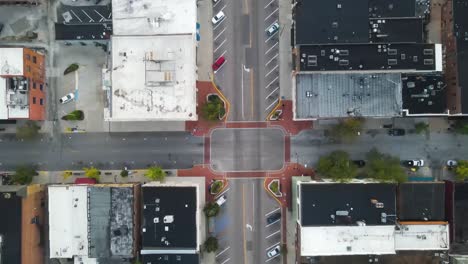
x: 269, y: 4
x: 224, y: 250
x: 222, y: 8
x: 220, y: 33
x: 268, y: 248
x: 274, y: 57
x: 219, y: 23
x: 99, y: 14
x: 90, y: 18
x: 222, y: 43
x: 266, y: 110
x: 216, y: 4
x: 76, y: 15
x: 242, y: 91
x: 277, y: 88
x: 276, y: 10
x: 226, y: 260
x: 272, y: 258
x: 268, y: 39
x: 222, y: 54
x: 272, y: 234
x: 276, y: 67
x: 219, y: 195
x: 266, y: 87
x: 271, y: 48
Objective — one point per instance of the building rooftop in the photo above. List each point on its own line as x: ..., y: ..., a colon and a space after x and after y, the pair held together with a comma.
x: 392, y: 8
x: 401, y: 257
x: 421, y: 201
x: 390, y: 30
x: 154, y: 17
x: 422, y: 237
x: 11, y: 62
x: 460, y: 9
x: 460, y: 222
x: 171, y: 259
x: 169, y: 219
x: 353, y: 94
x: 405, y: 57
x: 424, y: 94
x: 153, y: 78
x: 10, y: 227
x: 372, y: 204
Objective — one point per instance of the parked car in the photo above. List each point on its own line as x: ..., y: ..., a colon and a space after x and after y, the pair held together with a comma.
x: 359, y: 163
x: 396, y: 132
x: 272, y: 29
x: 274, y: 252
x: 221, y: 200
x: 451, y: 164
x: 218, y: 18
x: 414, y: 163
x: 273, y: 218
x: 218, y: 63
x: 67, y: 98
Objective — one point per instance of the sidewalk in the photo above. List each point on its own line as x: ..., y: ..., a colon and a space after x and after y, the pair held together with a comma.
x: 205, y: 45
x: 285, y: 56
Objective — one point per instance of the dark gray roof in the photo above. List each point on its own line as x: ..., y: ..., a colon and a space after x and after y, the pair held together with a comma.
x: 330, y: 204
x: 169, y: 217
x: 460, y: 9
x: 392, y: 8
x: 423, y: 201
x: 171, y: 259
x: 460, y: 227
x: 342, y: 95
x: 391, y: 30
x: 375, y: 57
x: 424, y: 93
x: 10, y: 228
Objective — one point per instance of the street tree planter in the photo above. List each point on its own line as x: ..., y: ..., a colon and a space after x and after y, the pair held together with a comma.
x: 276, y: 115
x: 216, y: 187
x: 210, y: 97
x: 274, y: 187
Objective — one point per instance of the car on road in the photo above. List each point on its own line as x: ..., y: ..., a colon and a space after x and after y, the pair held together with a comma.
x: 218, y: 18
x: 414, y: 163
x: 359, y: 163
x: 396, y: 132
x: 221, y: 200
x: 274, y: 252
x: 67, y: 98
x: 272, y: 29
x: 273, y: 218
x: 218, y: 63
x: 451, y: 164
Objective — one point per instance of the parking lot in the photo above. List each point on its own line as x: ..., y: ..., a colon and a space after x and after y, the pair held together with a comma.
x: 242, y: 229
x: 247, y: 40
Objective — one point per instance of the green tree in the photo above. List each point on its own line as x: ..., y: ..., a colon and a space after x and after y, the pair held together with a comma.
x: 461, y: 171
x: 213, y: 109
x: 74, y: 116
x: 29, y: 130
x: 421, y: 127
x: 384, y: 168
x: 124, y: 173
x: 73, y: 67
x: 337, y: 166
x: 24, y: 175
x: 216, y: 186
x: 347, y: 130
x: 92, y: 173
x: 211, y: 209
x: 155, y: 173
x: 67, y: 174
x: 211, y: 244
x: 461, y: 127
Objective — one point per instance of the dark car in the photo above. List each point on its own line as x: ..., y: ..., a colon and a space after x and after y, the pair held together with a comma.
x: 273, y: 218
x: 359, y: 163
x: 396, y: 132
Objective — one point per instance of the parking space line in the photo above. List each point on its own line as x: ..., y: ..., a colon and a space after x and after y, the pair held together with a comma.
x: 226, y: 260
x: 276, y: 67
x: 273, y: 234
x: 266, y: 87
x: 222, y: 43
x: 270, y: 49
x: 271, y: 258
x: 220, y: 22
x: 269, y: 213
x: 222, y: 8
x: 268, y: 39
x: 274, y: 57
x: 99, y: 14
x: 90, y: 18
x: 224, y: 250
x: 220, y: 33
x: 271, y: 14
x: 76, y: 15
x: 219, y: 195
x: 277, y: 88
x: 270, y: 247
x: 216, y: 4
x: 269, y: 4
x: 266, y: 110
x: 222, y: 54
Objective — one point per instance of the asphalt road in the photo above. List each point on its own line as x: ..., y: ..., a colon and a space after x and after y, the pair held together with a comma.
x: 434, y: 148
x: 249, y: 78
x: 247, y: 149
x: 106, y: 151
x: 244, y: 235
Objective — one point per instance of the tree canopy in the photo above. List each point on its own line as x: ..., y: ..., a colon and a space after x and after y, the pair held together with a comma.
x: 155, y: 173
x: 211, y: 244
x: 211, y: 209
x: 92, y: 172
x: 384, y: 168
x: 337, y: 166
x: 347, y: 130
x: 23, y: 175
x: 461, y: 171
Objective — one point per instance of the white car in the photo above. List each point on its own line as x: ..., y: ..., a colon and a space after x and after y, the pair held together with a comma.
x: 414, y: 163
x: 274, y: 252
x: 452, y: 163
x: 67, y: 98
x: 218, y: 18
x: 272, y: 29
x: 221, y: 200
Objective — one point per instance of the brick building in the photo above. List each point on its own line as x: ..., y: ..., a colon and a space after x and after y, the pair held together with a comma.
x: 22, y: 84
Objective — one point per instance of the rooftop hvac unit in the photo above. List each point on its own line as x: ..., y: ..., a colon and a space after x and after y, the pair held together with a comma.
x: 156, y: 220
x: 168, y: 219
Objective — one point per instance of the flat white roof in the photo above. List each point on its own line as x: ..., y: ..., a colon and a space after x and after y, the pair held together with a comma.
x: 154, y: 17
x: 3, y: 103
x: 347, y: 240
x: 68, y: 224
x: 11, y: 61
x: 153, y: 78
x: 422, y: 237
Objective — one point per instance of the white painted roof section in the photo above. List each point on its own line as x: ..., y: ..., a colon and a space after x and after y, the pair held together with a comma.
x: 153, y: 78
x: 438, y: 57
x: 422, y: 237
x: 347, y: 240
x: 68, y: 225
x: 3, y: 102
x: 154, y: 17
x: 11, y: 61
